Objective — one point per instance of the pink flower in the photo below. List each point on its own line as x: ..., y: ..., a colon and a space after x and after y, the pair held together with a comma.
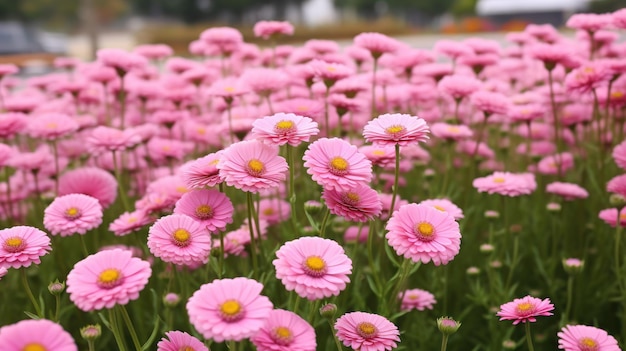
x: 359, y: 204
x: 590, y: 22
x: 619, y: 155
x: 383, y: 156
x: 129, y: 222
x: 367, y: 332
x: 551, y: 54
x: 416, y: 299
x: 120, y: 60
x: 225, y: 40
x: 91, y: 181
x: 613, y: 215
x: 154, y: 51
x: 568, y: 191
x: 444, y: 205
x: 229, y: 309
x: 51, y: 126
x: 202, y: 172
x: 71, y: 214
x: 458, y: 86
x: 525, y: 309
x: 180, y: 341
x: 111, y: 139
x: 107, y: 278
x: 285, y: 331
x: 451, y: 131
x: 267, y: 29
x: 314, y: 267
x: 252, y: 166
x: 36, y: 335
x: 265, y: 81
x: 274, y: 210
x: 210, y: 208
x: 11, y: 124
x: 336, y: 164
x: 586, y: 338
x: 22, y: 246
x: 490, y: 102
x: 284, y: 128
x: 619, y: 19
x: 8, y: 69
x: 588, y: 77
x: 356, y: 233
x: 377, y: 43
x: 554, y: 164
x: 506, y: 183
x: 423, y: 233
x: 396, y: 128
x: 180, y: 240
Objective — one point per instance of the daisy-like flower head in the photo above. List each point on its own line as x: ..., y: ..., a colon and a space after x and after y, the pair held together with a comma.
x: 22, y: 246
x: 312, y: 266
x: 229, y: 309
x: 180, y: 341
x: 617, y: 185
x: 568, y: 191
x: 451, y: 131
x: 284, y: 128
x: 613, y: 216
x: 71, y: 214
x: 367, y: 332
x: 416, y: 299
x: 586, y: 338
x: 445, y: 205
x: 358, y: 204
x: 377, y: 43
x: 51, y: 126
x: 525, y: 309
x: 383, y: 156
x: 202, y: 172
x: 211, y: 208
x: 274, y: 210
x: 180, y: 240
x: 423, y: 233
x: 129, y: 222
x: 619, y: 153
x: 268, y: 29
x: 36, y: 335
x: 506, y: 183
x: 107, y: 278
x: 285, y: 331
x: 336, y: 164
x: 91, y: 181
x: 252, y: 166
x: 396, y: 128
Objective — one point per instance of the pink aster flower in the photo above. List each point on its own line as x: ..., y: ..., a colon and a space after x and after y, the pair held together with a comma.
x: 120, y: 60
x: 229, y: 309
x: 22, y: 246
x: 265, y: 81
x: 612, y: 216
x: 274, y: 210
x: 586, y: 338
x: 619, y: 18
x: 51, y: 126
x: 359, y: 204
x: 556, y: 164
x: 619, y: 155
x: 267, y: 29
x: 383, y: 156
x: 91, y: 181
x: 336, y: 164
x: 284, y: 128
x: 285, y: 331
x: 180, y: 240
x: 506, y: 183
x: 314, y: 267
x: 36, y: 335
x: 111, y: 139
x: 367, y: 332
x: 107, y: 278
x: 568, y: 191
x: 396, y: 128
x: 590, y: 22
x: 617, y: 185
x: 458, y: 86
x: 180, y: 341
x: 525, y: 309
x: 490, y: 102
x: 71, y: 214
x: 588, y: 77
x: 451, y: 131
x: 225, y: 40
x: 202, y: 172
x: 377, y: 43
x: 129, y: 222
x: 423, y: 233
x: 416, y: 299
x: 445, y: 205
x: 252, y: 166
x: 211, y: 208
x: 11, y: 124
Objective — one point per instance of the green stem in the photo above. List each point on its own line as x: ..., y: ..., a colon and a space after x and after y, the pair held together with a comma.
x: 30, y: 293
x: 332, y: 330
x: 557, y: 139
x: 326, y: 107
x: 55, y: 152
x: 444, y: 342
x: 230, y: 122
x: 115, y: 328
x: 222, y: 256
x: 120, y: 184
x: 296, y: 303
x: 57, y: 308
x: 570, y: 293
x: 255, y: 263
x: 83, y: 245
x: 292, y: 192
x: 529, y: 338
x: 122, y: 97
x: 404, y: 272
x: 374, y: 86
x: 7, y: 174
x: 370, y: 257
x: 396, y: 176
x: 91, y: 345
x: 324, y: 222
x: 131, y: 328
x: 513, y: 260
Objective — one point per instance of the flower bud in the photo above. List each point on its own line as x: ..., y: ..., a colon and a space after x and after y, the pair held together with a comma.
x: 328, y: 310
x: 91, y: 332
x: 313, y: 207
x: 171, y: 300
x: 492, y: 214
x: 509, y: 344
x: 617, y: 200
x: 553, y: 207
x: 573, y: 265
x: 56, y: 288
x: 472, y: 271
x: 486, y: 248
x: 447, y: 325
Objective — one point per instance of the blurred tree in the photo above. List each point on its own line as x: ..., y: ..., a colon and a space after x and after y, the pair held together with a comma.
x: 368, y: 9
x: 427, y: 7
x: 462, y: 8
x: 59, y: 14
x: 601, y: 6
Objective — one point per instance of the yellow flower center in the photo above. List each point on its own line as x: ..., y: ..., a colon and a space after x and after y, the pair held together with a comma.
x: 231, y: 310
x: 181, y: 237
x: 413, y: 296
x: 366, y: 330
x: 302, y: 108
x: 229, y: 89
x: 186, y: 348
x: 425, y: 231
x: 214, y: 162
x: 397, y: 129
x: 34, y: 347
x: 51, y: 125
x: 617, y: 94
x: 255, y: 167
x: 72, y: 213
x: 440, y: 208
x: 499, y: 180
x: 588, y: 344
x: 284, y: 126
x: 131, y: 220
x: 110, y: 278
x: 351, y: 198
x: 268, y: 211
x: 314, y: 266
x: 14, y: 244
x: 339, y: 166
x: 201, y: 131
x: 378, y: 153
x: 182, y: 189
x: 454, y: 129
x: 282, y: 335
x: 204, y: 212
x: 524, y: 307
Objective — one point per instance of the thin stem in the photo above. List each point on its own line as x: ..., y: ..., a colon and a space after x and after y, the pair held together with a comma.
x: 115, y: 328
x: 557, y: 139
x: 370, y: 256
x: 326, y: 107
x: 444, y: 342
x: 332, y: 330
x: 296, y: 304
x: 30, y: 293
x: 324, y: 222
x: 513, y: 260
x: 230, y: 122
x: 83, y: 245
x: 120, y: 184
x: 255, y: 263
x: 91, y: 345
x: 122, y: 97
x: 57, y: 308
x: 7, y: 174
x: 55, y: 152
x: 570, y: 293
x: 131, y: 328
x: 292, y: 192
x: 396, y: 176
x: 529, y: 338
x: 374, y: 86
x: 404, y: 272
x: 222, y: 256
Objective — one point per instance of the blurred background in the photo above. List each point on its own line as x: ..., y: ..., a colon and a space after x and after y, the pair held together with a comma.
x: 79, y: 27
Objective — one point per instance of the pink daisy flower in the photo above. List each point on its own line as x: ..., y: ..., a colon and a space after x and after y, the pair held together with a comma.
x: 619, y: 153
x: 51, y: 126
x: 612, y: 216
x: 358, y: 204
x: 617, y: 185
x: 314, y: 267
x: 416, y: 299
x: 202, y: 172
x: 336, y: 164
x: 367, y: 332
x: 11, y: 124
x: 377, y: 43
x: 506, y: 183
x: 383, y: 156
x: 180, y: 341
x: 525, y: 309
x: 22, y: 246
x: 252, y: 166
x: 586, y: 338
x: 356, y: 233
x: 91, y: 181
x: 129, y: 222
x: 568, y: 191
x: 423, y: 233
x: 451, y: 131
x: 445, y: 205
x: 274, y: 211
x: 267, y: 29
x: 490, y: 102
x: 103, y: 139
x: 284, y: 128
x: 396, y: 128
x: 107, y: 278
x: 71, y: 214
x: 285, y: 331
x: 36, y: 335
x: 229, y: 309
x: 180, y: 240
x: 458, y: 87
x: 211, y: 208
x: 554, y: 164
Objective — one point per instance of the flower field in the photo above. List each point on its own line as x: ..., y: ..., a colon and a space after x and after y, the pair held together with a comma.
x: 317, y: 197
